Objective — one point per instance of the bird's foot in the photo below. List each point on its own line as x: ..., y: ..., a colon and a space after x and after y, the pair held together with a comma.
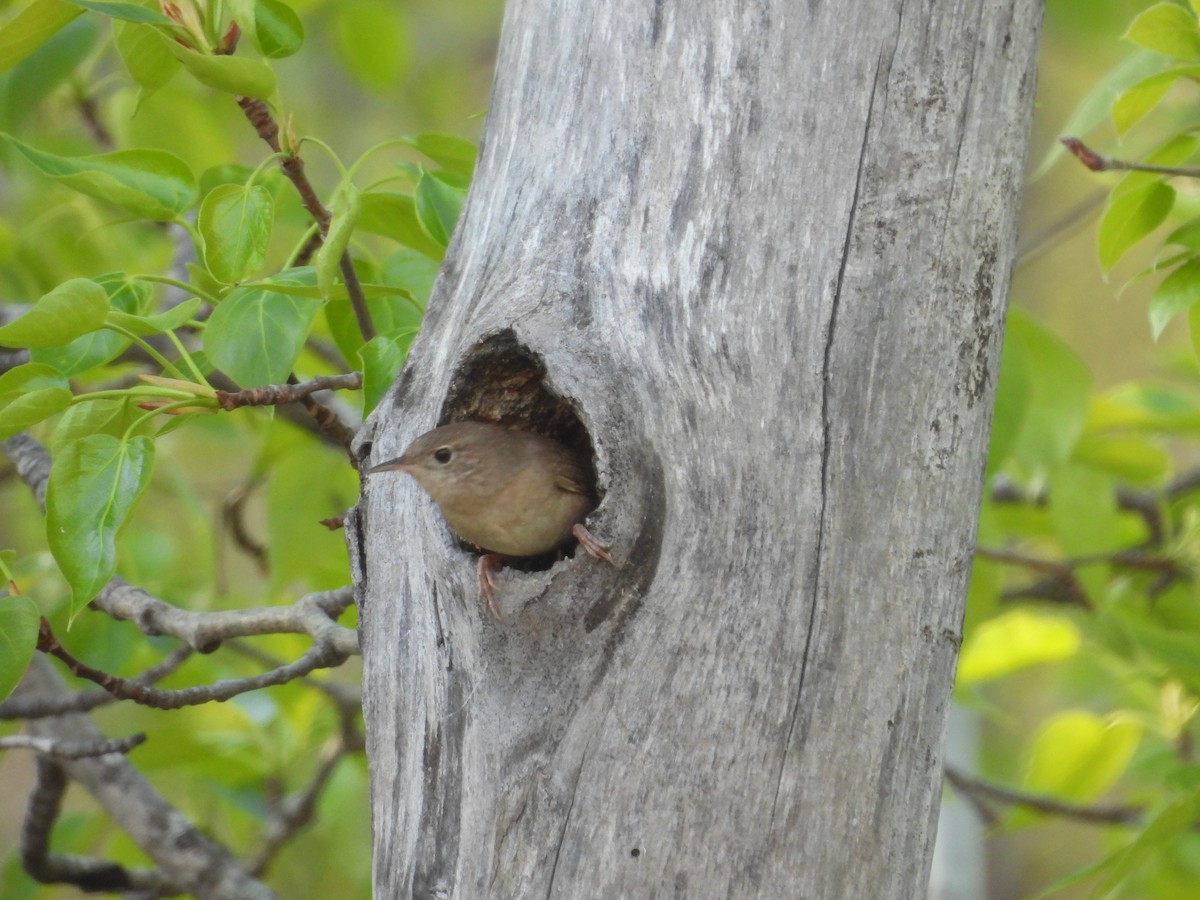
x: 489, y: 563
x: 589, y: 543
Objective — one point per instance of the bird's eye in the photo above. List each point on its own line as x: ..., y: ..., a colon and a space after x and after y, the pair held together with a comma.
x: 442, y: 454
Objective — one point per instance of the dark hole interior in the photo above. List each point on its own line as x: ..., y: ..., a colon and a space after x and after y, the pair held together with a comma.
x: 502, y: 381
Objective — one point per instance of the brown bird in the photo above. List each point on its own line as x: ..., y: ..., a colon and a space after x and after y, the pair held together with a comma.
x: 511, y: 493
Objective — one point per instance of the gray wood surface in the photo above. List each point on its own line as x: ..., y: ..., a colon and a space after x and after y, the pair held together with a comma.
x: 761, y: 250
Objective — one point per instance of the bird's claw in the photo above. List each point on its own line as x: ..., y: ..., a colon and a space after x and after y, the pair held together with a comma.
x: 591, y: 545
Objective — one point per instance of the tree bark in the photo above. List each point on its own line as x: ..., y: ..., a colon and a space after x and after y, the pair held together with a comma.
x: 754, y: 256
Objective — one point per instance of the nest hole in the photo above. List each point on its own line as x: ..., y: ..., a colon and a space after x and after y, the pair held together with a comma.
x: 504, y: 382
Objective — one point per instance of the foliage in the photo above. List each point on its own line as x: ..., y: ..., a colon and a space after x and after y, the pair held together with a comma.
x: 151, y: 274
x: 1084, y: 588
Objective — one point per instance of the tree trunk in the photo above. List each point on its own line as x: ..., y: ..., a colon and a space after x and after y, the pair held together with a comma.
x: 753, y: 256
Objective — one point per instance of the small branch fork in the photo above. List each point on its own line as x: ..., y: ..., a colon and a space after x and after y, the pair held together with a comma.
x: 272, y: 394
x: 1099, y: 163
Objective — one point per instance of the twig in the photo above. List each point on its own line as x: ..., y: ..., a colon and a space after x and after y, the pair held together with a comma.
x: 271, y: 394
x: 980, y: 791
x: 293, y: 167
x: 232, y: 515
x: 36, y: 706
x: 1059, y: 574
x: 52, y: 868
x: 327, y: 420
x: 320, y: 655
x: 63, y: 749
x: 1099, y: 163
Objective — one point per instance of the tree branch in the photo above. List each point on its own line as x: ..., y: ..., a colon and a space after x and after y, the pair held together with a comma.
x: 1098, y: 163
x: 189, y: 860
x: 63, y: 749
x: 35, y: 707
x: 271, y: 394
x: 979, y: 792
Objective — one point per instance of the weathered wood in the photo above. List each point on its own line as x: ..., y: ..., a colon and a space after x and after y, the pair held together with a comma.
x: 761, y: 249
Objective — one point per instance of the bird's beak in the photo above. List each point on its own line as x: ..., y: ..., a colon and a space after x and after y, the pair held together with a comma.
x: 392, y: 465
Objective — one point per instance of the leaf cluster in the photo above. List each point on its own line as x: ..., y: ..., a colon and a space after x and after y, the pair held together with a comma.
x: 165, y: 302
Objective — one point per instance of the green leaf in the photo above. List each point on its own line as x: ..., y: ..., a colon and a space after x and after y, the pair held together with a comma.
x: 235, y: 222
x: 24, y: 89
x: 1083, y: 509
x: 30, y: 394
x: 128, y: 12
x: 450, y: 152
x: 103, y: 416
x: 1159, y: 835
x: 233, y: 74
x: 1178, y: 650
x: 32, y: 27
x: 128, y: 295
x: 19, y: 621
x: 437, y: 205
x: 1013, y: 641
x: 226, y: 173
x: 160, y: 324
x: 277, y: 29
x: 1186, y: 235
x: 1132, y: 105
x: 395, y: 216
x: 344, y: 209
x: 1168, y: 29
x: 395, y: 316
x: 73, y: 308
x: 1013, y: 390
x: 1132, y: 459
x: 1130, y: 217
x: 1078, y: 756
x: 152, y: 184
x: 380, y: 62
x: 304, y: 554
x: 255, y: 335
x: 94, y: 484
x: 414, y: 272
x: 1095, y: 107
x: 1059, y: 386
x: 1194, y: 331
x: 1147, y: 407
x: 381, y: 359
x: 1178, y: 292
x: 149, y: 61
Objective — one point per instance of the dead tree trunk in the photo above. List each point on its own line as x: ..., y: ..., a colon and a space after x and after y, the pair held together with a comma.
x: 754, y: 257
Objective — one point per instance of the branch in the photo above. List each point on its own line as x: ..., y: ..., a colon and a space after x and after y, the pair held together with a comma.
x: 37, y: 707
x: 322, y: 654
x: 978, y: 792
x: 271, y: 394
x: 314, y: 614
x: 62, y: 749
x: 190, y: 861
x: 1060, y: 576
x: 293, y: 167
x: 1098, y: 163
x: 93, y: 875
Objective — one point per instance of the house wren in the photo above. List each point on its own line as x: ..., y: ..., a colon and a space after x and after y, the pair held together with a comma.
x: 511, y: 493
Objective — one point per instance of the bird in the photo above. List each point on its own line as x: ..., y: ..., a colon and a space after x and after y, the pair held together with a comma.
x: 509, y: 492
